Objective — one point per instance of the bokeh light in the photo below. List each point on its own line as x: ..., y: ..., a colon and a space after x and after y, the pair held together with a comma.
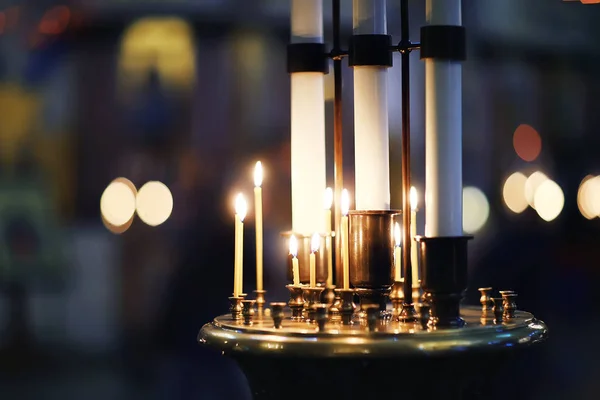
x: 588, y: 197
x: 527, y: 142
x: 476, y: 209
x: 513, y: 193
x: 117, y: 205
x: 531, y: 186
x: 549, y: 200
x: 154, y: 203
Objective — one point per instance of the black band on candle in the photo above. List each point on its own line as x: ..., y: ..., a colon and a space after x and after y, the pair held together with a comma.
x: 307, y: 57
x: 444, y: 42
x: 370, y: 50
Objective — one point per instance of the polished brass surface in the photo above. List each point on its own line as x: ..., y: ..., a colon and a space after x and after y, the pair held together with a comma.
x: 236, y: 307
x: 485, y: 300
x: 277, y: 313
x: 392, y: 339
x: 396, y: 297
x: 259, y: 295
x: 509, y: 304
x: 248, y: 311
x: 296, y: 302
x: 498, y: 308
x: 312, y: 296
x: 348, y: 306
x: 321, y: 315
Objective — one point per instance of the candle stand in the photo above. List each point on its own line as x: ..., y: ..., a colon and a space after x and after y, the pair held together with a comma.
x: 402, y: 341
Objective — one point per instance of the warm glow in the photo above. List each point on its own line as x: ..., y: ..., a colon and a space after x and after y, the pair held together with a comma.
x: 527, y: 142
x: 513, y: 192
x: 414, y: 199
x: 258, y: 174
x: 476, y: 209
x: 531, y: 186
x: 588, y: 197
x: 154, y: 203
x: 328, y: 199
x: 397, y: 234
x: 315, y: 242
x: 345, y: 203
x: 293, y: 246
x: 241, y: 208
x: 549, y: 200
x: 117, y: 204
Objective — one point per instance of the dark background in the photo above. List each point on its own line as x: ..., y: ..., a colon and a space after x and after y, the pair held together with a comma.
x: 192, y: 93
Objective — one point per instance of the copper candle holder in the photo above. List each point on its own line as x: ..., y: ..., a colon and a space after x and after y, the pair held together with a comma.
x: 304, y: 250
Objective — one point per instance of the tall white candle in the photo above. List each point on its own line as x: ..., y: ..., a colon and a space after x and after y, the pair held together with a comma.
x: 397, y: 253
x: 307, y: 125
x: 371, y: 133
x: 328, y: 249
x: 294, y: 254
x: 443, y: 132
x: 258, y: 177
x: 315, y: 243
x: 345, y: 207
x: 414, y: 259
x: 240, y: 214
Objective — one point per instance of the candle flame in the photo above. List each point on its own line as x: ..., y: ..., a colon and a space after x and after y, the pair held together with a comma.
x: 315, y: 242
x: 397, y: 234
x: 258, y: 174
x: 345, y: 206
x: 240, y: 206
x: 328, y: 201
x: 293, y: 246
x: 414, y: 200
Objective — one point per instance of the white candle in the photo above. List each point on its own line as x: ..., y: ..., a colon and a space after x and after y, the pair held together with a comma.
x: 294, y: 253
x: 238, y: 275
x: 414, y: 259
x: 345, y: 207
x: 371, y: 133
x: 258, y: 177
x: 443, y: 132
x: 315, y: 243
x: 397, y: 253
x: 328, y: 203
x: 307, y: 124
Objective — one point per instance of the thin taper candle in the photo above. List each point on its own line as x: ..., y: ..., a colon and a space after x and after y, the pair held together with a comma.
x: 414, y: 261
x: 258, y: 177
x: 294, y: 253
x: 315, y: 243
x: 240, y: 214
x: 328, y: 249
x: 345, y: 207
x: 397, y: 253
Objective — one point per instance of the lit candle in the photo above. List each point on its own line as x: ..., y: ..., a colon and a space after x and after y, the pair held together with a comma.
x: 240, y: 214
x: 294, y: 253
x: 328, y: 203
x: 307, y: 90
x: 443, y: 131
x: 397, y: 253
x: 258, y: 177
x: 371, y: 131
x: 315, y: 243
x: 345, y: 207
x: 414, y: 261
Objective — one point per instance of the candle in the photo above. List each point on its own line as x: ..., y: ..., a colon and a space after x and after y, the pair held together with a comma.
x: 308, y: 167
x: 345, y: 207
x: 315, y: 243
x: 414, y: 259
x: 328, y: 203
x: 443, y: 131
x: 397, y: 253
x: 238, y: 274
x: 371, y: 132
x: 258, y: 177
x: 294, y: 253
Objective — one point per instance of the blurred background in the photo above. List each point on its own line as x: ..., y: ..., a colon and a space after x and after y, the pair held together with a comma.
x: 188, y: 95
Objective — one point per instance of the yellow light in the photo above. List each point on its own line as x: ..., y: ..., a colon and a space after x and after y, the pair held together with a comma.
x: 345, y: 203
x: 315, y: 242
x: 397, y: 234
x: 258, y: 174
x: 328, y: 199
x: 531, y: 185
x: 117, y: 204
x: 513, y: 192
x: 549, y: 200
x: 293, y: 246
x: 241, y: 208
x: 587, y: 193
x: 476, y: 209
x: 154, y: 203
x: 414, y: 199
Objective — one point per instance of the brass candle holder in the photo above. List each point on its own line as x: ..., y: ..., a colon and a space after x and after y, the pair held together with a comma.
x: 296, y: 302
